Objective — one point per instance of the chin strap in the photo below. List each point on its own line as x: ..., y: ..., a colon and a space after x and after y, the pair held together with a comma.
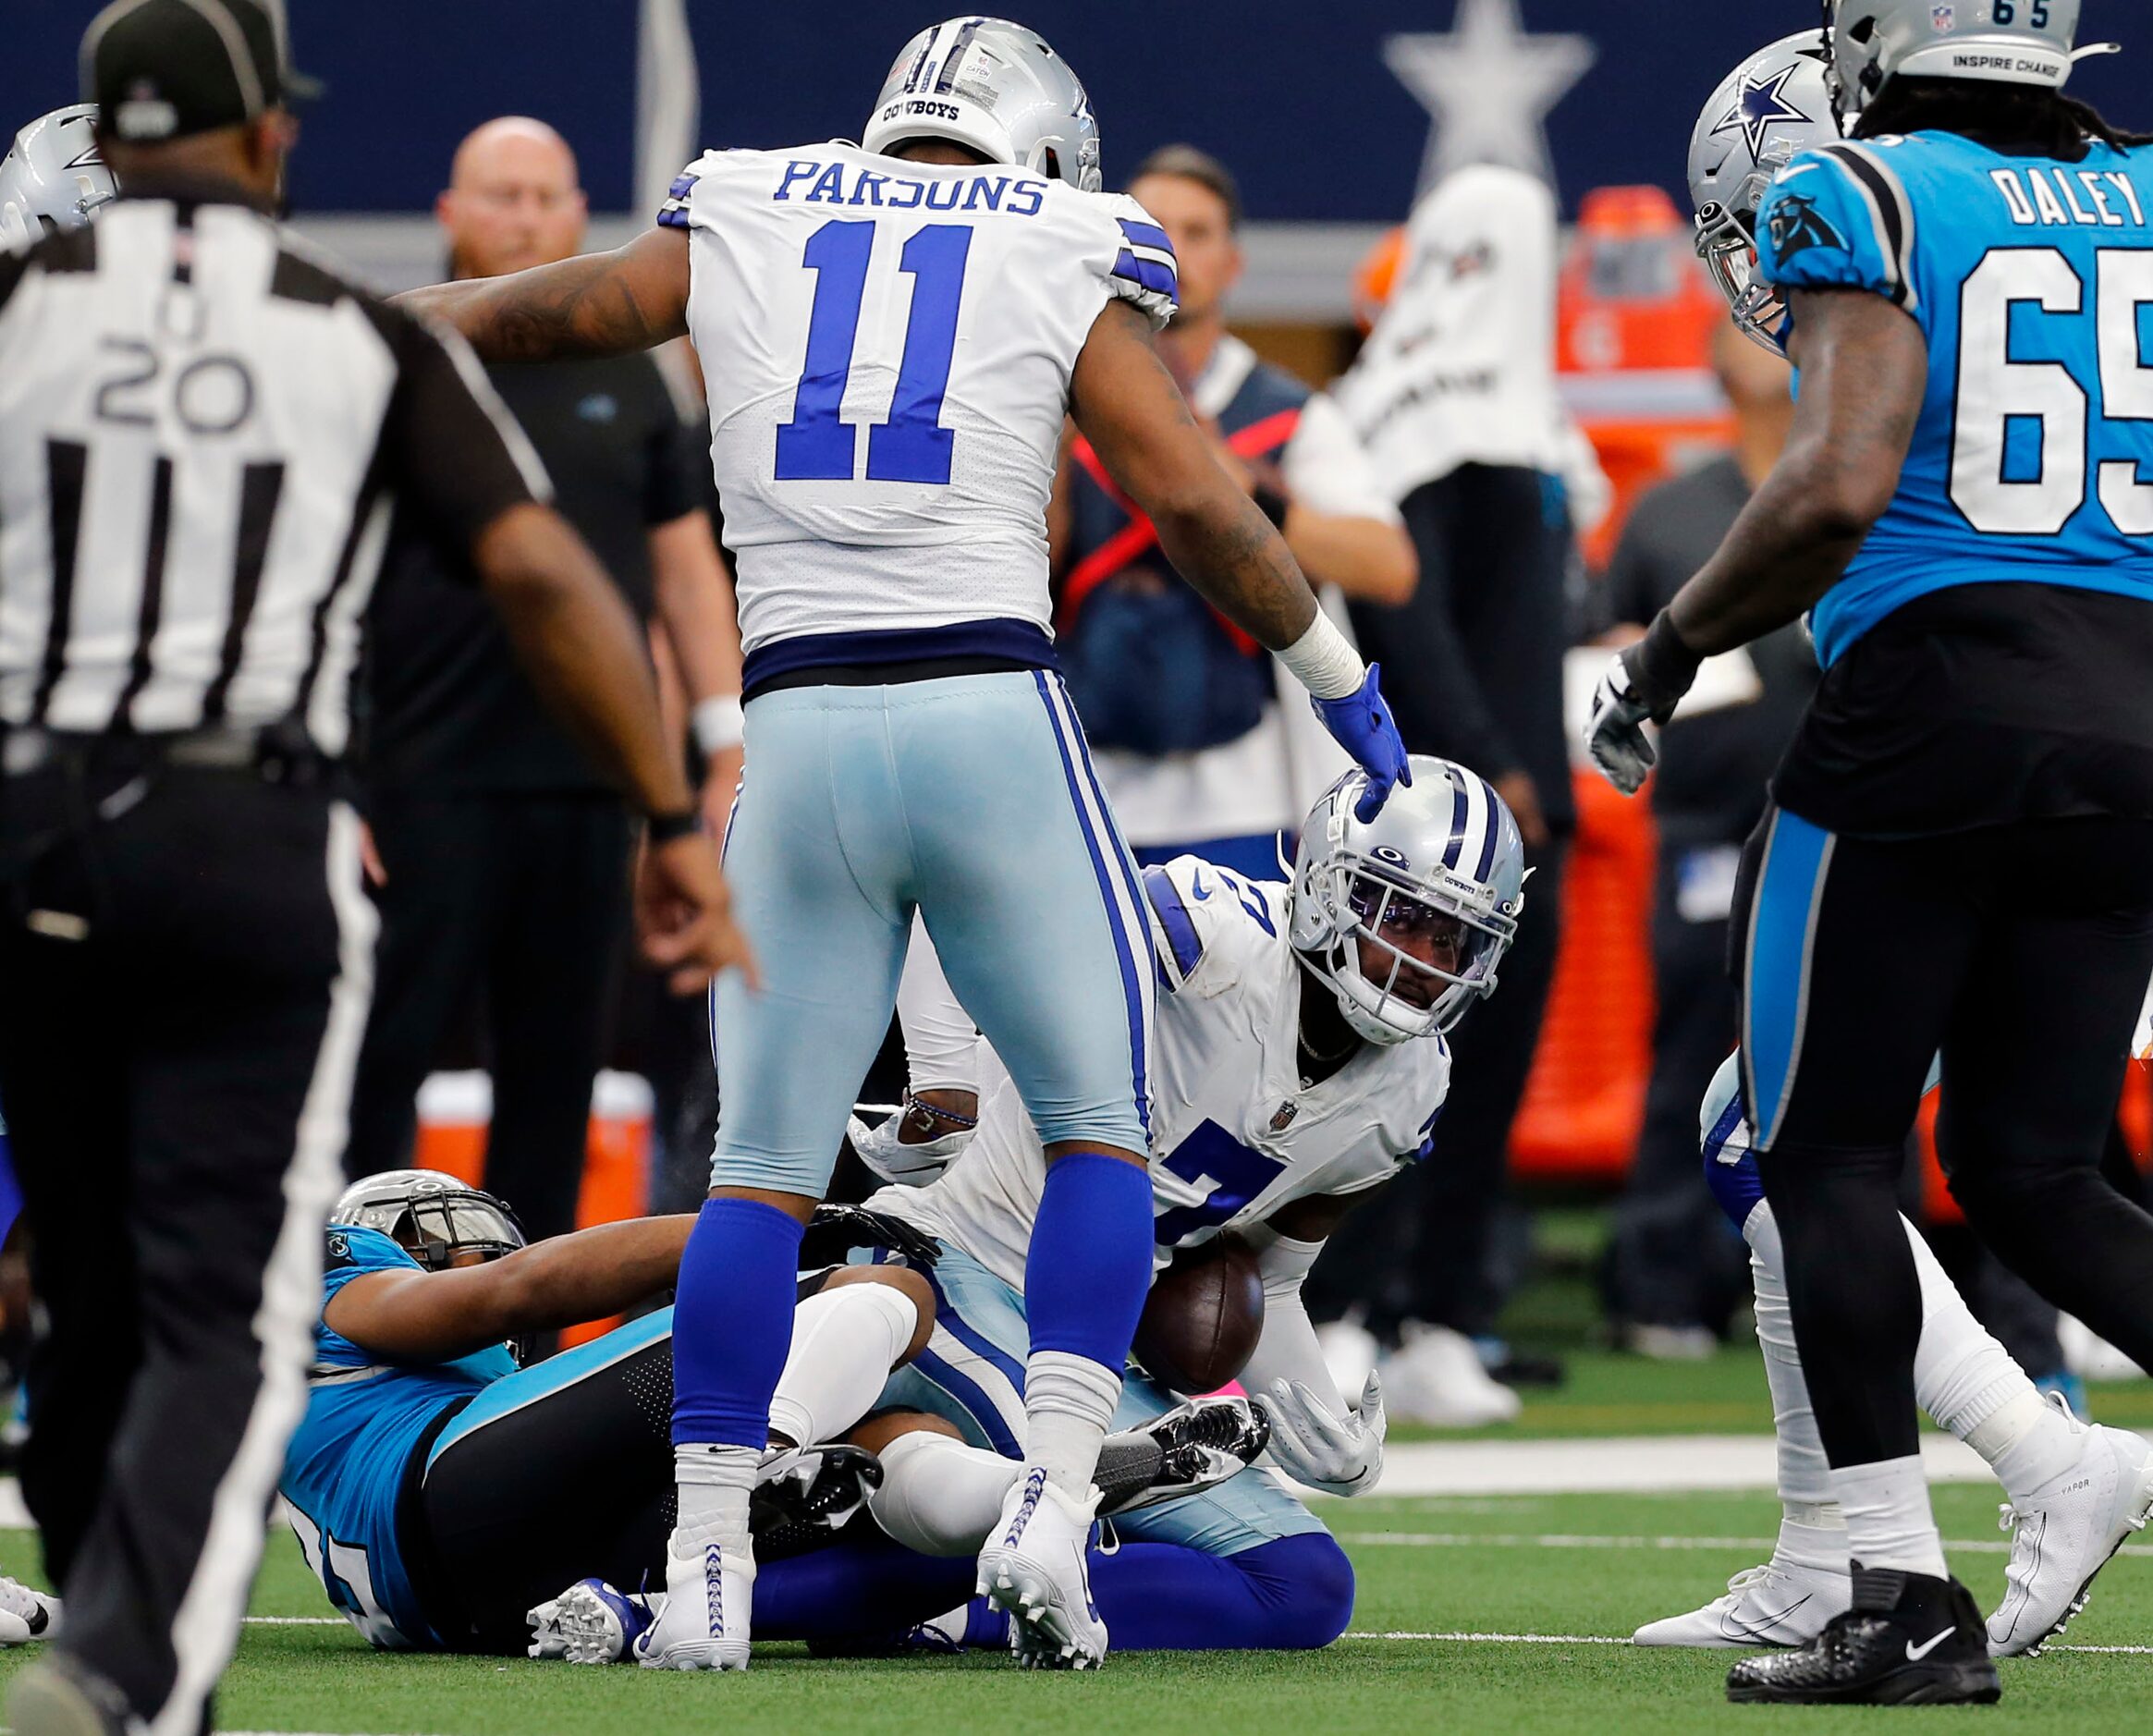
x: 2093, y: 50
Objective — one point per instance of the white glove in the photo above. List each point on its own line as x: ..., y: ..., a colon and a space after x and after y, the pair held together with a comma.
x: 907, y: 1166
x: 1615, y: 737
x: 1336, y: 1455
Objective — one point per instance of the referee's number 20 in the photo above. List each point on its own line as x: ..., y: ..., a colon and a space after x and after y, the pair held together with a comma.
x: 209, y: 395
x: 2002, y: 401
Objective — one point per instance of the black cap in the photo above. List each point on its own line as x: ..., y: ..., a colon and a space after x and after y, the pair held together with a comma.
x: 162, y: 69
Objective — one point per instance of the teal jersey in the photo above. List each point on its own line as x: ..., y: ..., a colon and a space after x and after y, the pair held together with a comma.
x: 345, y: 1471
x: 2032, y: 282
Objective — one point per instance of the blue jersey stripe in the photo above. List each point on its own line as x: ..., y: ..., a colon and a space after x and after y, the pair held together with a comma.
x: 1149, y: 273
x: 1173, y: 915
x: 1146, y: 235
x: 966, y: 1392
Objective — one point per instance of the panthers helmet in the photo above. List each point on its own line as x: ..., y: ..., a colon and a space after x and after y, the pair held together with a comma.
x: 2011, y: 42
x: 1775, y: 104
x: 430, y: 1215
x: 996, y: 88
x: 54, y: 176
x: 1443, y: 854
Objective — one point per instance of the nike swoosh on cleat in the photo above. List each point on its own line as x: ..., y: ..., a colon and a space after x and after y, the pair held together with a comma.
x: 1757, y: 1629
x: 1915, y: 1653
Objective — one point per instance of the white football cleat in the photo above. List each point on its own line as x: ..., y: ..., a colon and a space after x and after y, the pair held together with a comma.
x: 1781, y: 1603
x: 589, y: 1623
x: 1437, y: 1377
x: 26, y: 1615
x: 2065, y: 1533
x: 1033, y: 1570
x: 709, y: 1603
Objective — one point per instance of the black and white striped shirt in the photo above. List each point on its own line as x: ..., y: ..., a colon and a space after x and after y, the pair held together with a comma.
x: 203, y: 430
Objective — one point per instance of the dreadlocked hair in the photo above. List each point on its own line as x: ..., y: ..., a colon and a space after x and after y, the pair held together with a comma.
x: 2018, y: 119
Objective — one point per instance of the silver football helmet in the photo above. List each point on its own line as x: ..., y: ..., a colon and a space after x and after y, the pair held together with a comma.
x: 997, y: 88
x: 1772, y: 107
x: 2011, y: 42
x: 433, y: 1216
x: 54, y: 176
x: 1442, y: 862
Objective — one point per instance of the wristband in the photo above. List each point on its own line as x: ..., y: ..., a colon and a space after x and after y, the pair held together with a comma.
x: 1272, y: 505
x: 1662, y: 668
x: 1324, y: 661
x: 666, y: 828
x: 719, y: 724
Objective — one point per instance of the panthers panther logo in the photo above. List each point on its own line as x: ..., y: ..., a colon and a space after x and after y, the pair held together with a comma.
x: 1796, y: 226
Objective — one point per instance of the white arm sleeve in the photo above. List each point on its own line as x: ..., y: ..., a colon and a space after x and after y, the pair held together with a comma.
x: 941, y: 1042
x: 1288, y: 1349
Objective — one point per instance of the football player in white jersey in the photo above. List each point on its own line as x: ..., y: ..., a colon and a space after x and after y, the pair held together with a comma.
x: 892, y: 333
x: 1300, y: 1062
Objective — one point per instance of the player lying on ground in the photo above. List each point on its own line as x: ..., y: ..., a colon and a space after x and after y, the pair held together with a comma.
x: 1300, y: 1061
x: 2077, y: 1491
x: 894, y: 336
x: 439, y: 1492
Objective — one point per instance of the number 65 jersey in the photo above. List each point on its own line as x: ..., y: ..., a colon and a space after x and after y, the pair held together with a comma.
x: 1235, y: 1135
x: 888, y: 347
x: 2031, y: 279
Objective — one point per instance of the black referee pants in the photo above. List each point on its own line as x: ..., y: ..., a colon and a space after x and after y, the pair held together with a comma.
x: 527, y: 895
x: 2020, y: 953
x: 186, y: 982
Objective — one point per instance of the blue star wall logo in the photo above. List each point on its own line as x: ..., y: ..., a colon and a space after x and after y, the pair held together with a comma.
x: 1760, y: 105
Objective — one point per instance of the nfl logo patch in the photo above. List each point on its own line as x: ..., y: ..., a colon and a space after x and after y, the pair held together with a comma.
x: 1284, y: 1118
x: 1945, y: 18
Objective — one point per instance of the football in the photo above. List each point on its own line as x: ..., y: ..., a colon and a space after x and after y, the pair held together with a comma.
x: 1202, y: 1319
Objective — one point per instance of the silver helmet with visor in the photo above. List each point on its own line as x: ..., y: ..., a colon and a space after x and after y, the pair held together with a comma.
x: 1774, y: 105
x: 995, y: 88
x: 434, y: 1217
x: 1406, y: 917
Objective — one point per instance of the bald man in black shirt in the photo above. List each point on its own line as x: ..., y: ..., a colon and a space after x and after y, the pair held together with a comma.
x: 503, y: 856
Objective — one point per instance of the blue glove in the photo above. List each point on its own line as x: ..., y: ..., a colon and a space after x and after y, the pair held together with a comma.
x: 1361, y: 723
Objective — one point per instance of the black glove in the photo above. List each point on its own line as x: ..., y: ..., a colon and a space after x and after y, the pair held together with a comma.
x: 835, y: 1230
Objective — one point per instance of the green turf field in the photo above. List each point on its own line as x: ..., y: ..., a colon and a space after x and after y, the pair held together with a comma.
x: 1568, y: 1570
x: 1572, y: 1567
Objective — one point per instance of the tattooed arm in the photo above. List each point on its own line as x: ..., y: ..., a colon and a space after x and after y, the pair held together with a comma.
x: 599, y: 304
x: 1129, y: 408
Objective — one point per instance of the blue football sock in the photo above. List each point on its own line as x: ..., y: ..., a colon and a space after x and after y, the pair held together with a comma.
x: 1090, y: 1260
x: 863, y: 1589
x: 733, y: 1322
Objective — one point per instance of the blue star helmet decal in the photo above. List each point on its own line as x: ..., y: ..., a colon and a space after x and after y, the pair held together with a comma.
x: 1760, y: 105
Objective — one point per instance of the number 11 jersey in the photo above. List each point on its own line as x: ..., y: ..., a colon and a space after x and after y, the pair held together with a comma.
x: 887, y: 347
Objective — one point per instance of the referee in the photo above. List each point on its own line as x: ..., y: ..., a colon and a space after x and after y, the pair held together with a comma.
x: 203, y: 433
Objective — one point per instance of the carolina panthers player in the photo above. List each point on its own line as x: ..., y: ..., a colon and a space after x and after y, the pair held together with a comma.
x: 893, y: 334
x: 2077, y: 1493
x: 1300, y: 1060
x: 1965, y: 501
x: 439, y: 1492
x: 53, y: 177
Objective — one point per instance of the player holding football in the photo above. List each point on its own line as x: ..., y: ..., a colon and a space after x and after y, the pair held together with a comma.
x: 892, y: 334
x: 2076, y: 1492
x: 1959, y: 858
x: 1300, y: 1061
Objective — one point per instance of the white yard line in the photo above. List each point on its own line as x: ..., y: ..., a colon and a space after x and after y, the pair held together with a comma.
x: 1610, y: 1639
x: 1558, y: 1540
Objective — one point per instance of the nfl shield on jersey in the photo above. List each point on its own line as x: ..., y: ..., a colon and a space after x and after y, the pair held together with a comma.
x: 2030, y: 279
x: 888, y: 347
x: 1234, y: 1135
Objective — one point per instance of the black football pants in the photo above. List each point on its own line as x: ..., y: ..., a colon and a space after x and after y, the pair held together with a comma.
x: 527, y: 894
x: 2022, y: 954
x: 184, y: 986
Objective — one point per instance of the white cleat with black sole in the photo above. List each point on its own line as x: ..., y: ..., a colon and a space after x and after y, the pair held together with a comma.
x: 1782, y: 1603
x: 709, y: 1603
x: 2065, y: 1533
x: 1033, y: 1570
x: 27, y: 1615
